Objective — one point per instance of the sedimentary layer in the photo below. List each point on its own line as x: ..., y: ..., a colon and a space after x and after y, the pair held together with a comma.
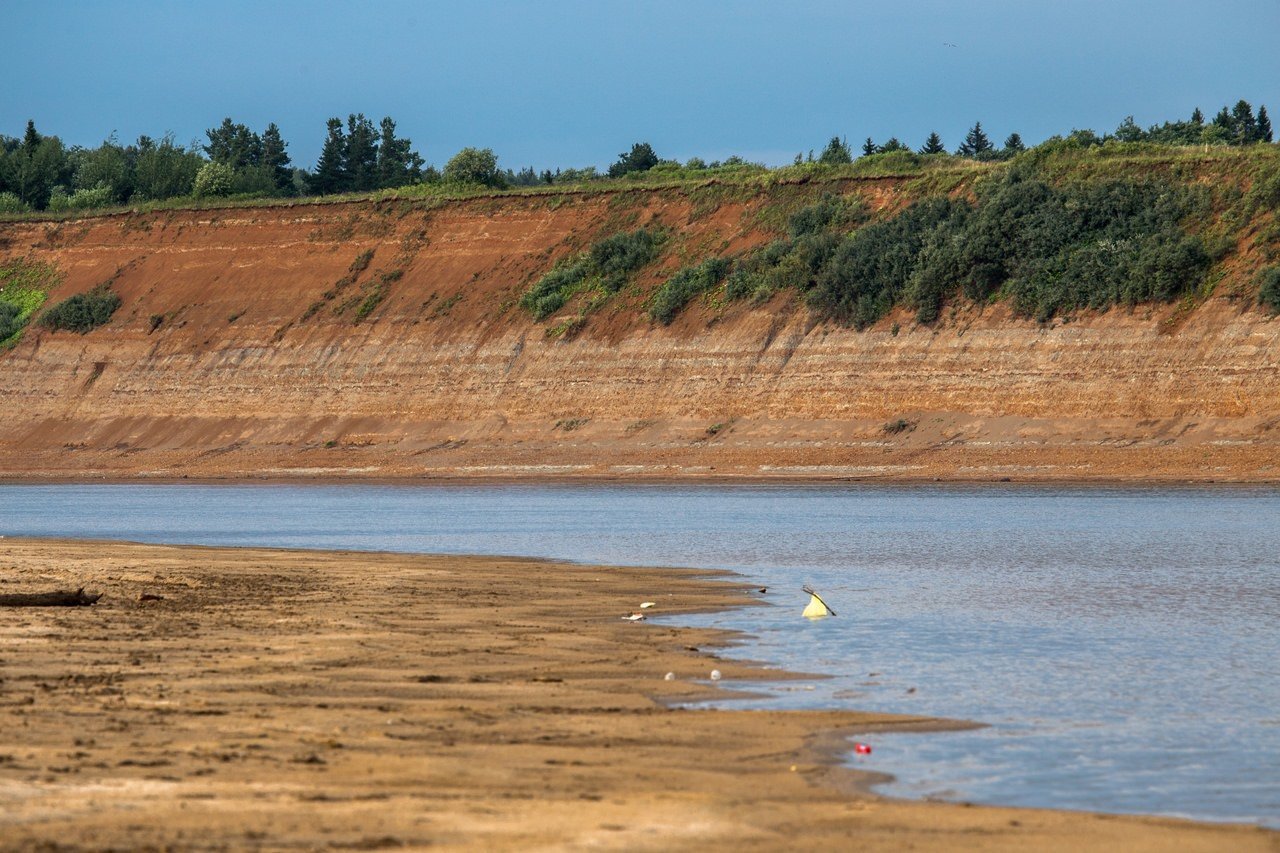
x: 245, y: 347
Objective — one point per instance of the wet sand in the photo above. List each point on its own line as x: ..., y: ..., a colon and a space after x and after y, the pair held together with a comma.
x: 299, y: 700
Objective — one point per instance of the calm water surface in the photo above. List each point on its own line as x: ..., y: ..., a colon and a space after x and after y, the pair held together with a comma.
x: 1122, y: 643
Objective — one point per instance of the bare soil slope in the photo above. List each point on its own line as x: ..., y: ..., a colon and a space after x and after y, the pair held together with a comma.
x: 241, y: 350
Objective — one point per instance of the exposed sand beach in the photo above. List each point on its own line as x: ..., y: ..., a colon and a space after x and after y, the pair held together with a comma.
x: 273, y: 699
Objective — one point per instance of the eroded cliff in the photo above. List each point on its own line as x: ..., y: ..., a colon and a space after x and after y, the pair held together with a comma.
x: 247, y: 346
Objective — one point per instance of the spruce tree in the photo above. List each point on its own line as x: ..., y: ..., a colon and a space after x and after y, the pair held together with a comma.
x: 869, y: 147
x: 362, y: 153
x: 1264, y: 125
x: 398, y: 164
x: 275, y: 159
x: 894, y: 144
x: 331, y: 170
x: 1224, y: 121
x: 836, y: 153
x: 933, y: 145
x: 1246, y: 126
x: 234, y: 145
x: 1014, y: 144
x: 1197, y: 117
x: 30, y: 139
x: 975, y: 142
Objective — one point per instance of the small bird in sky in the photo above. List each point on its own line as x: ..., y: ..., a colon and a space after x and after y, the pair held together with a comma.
x: 949, y: 44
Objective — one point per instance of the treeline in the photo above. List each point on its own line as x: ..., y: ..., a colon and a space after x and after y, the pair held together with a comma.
x: 38, y: 172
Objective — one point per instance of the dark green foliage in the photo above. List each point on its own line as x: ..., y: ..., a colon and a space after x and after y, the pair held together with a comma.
x: 641, y: 158
x: 933, y: 145
x: 398, y: 163
x: 832, y: 212
x: 894, y: 144
x: 606, y: 266
x: 869, y: 147
x: 975, y: 142
x: 1268, y: 290
x: 474, y: 166
x: 362, y: 154
x: 553, y: 289
x: 361, y: 262
x: 836, y: 153
x: 82, y: 312
x: 1264, y: 125
x: 1013, y: 144
x: 1048, y: 249
x: 233, y: 145
x: 330, y: 175
x: 613, y: 258
x: 1244, y: 124
x: 9, y: 322
x: 867, y: 273
x: 275, y: 160
x: 164, y: 169
x: 1128, y: 131
x: 676, y: 291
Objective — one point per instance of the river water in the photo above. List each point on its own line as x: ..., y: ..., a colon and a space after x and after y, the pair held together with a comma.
x: 1123, y: 644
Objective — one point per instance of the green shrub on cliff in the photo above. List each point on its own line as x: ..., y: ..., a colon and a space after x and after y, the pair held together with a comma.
x: 1088, y: 244
x: 1269, y: 288
x: 23, y: 285
x: 83, y: 312
x: 605, y: 267
x: 676, y: 291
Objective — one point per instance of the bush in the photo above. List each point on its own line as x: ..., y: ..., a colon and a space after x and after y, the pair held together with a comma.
x: 676, y: 291
x: 1091, y: 244
x: 474, y: 166
x: 214, y: 179
x: 606, y: 265
x: 10, y: 203
x: 553, y: 289
x: 617, y: 256
x: 1269, y: 288
x: 86, y: 199
x: 82, y: 312
x: 9, y: 322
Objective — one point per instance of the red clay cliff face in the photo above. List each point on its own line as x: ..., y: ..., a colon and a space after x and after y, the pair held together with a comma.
x: 238, y: 352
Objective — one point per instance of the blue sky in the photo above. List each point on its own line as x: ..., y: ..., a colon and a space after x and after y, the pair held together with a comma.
x: 567, y: 83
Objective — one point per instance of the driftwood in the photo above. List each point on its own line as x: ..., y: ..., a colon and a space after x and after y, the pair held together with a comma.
x: 59, y: 598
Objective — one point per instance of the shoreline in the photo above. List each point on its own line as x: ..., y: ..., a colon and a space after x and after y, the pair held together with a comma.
x: 459, y: 480
x: 274, y: 697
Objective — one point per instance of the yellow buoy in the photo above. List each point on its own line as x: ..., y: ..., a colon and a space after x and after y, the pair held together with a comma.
x: 817, y: 608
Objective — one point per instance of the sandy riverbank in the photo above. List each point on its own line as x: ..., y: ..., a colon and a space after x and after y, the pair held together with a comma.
x: 285, y: 699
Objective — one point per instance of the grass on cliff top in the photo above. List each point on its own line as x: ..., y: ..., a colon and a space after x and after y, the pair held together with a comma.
x: 24, y: 286
x: 1056, y: 161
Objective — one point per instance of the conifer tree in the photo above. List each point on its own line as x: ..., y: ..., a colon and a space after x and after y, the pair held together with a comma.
x: 398, y: 164
x: 975, y: 142
x: 30, y: 139
x: 894, y: 144
x: 1246, y: 126
x: 234, y: 145
x: 836, y: 152
x: 869, y: 147
x: 275, y: 159
x: 1197, y: 117
x: 1014, y: 144
x: 331, y: 170
x: 362, y: 153
x: 933, y: 145
x: 1264, y: 125
x: 1223, y: 120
